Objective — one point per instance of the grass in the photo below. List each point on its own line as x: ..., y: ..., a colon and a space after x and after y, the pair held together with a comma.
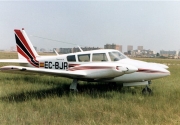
x: 45, y: 100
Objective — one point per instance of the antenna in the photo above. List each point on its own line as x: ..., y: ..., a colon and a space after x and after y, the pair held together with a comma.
x: 57, y: 41
x: 56, y: 52
x: 80, y: 48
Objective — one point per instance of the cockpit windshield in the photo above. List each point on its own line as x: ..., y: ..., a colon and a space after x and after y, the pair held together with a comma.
x: 115, y: 56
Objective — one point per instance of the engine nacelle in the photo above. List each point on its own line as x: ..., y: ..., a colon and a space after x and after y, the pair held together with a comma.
x: 104, y: 70
x: 136, y: 83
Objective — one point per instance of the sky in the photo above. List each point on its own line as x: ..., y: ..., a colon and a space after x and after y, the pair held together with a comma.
x: 154, y: 25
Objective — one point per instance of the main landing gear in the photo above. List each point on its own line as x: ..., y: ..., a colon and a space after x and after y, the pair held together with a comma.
x: 147, y: 90
x: 73, y: 85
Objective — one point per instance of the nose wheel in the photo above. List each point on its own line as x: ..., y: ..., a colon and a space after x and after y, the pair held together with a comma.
x: 147, y: 90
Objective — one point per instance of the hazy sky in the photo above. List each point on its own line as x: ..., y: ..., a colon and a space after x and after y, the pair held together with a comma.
x: 154, y: 25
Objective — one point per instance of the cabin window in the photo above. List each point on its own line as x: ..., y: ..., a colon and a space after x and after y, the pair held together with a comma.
x: 99, y: 57
x: 84, y: 58
x: 71, y: 58
x: 115, y: 56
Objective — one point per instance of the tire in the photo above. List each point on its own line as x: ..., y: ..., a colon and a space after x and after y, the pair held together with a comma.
x: 146, y: 91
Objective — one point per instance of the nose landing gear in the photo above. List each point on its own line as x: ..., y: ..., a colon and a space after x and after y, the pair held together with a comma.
x: 147, y: 90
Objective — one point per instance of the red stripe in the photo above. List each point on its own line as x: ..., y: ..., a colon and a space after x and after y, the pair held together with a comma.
x: 72, y: 65
x: 89, y: 68
x: 149, y: 71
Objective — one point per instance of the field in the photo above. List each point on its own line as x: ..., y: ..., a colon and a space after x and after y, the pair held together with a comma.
x: 45, y: 100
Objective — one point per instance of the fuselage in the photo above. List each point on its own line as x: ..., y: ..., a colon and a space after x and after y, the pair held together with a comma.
x: 146, y: 71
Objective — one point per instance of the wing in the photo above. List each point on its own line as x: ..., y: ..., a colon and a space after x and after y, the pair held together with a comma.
x: 94, y: 71
x: 13, y: 61
x: 63, y: 73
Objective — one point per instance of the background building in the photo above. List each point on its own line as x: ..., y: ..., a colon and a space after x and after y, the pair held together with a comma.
x: 143, y: 53
x: 170, y: 54
x: 65, y: 50
x: 113, y: 46
x: 129, y: 48
x: 140, y: 48
x: 42, y: 50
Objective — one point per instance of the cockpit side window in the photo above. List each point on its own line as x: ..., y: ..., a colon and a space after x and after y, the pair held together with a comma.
x: 71, y: 58
x: 115, y: 56
x: 99, y: 57
x: 84, y: 58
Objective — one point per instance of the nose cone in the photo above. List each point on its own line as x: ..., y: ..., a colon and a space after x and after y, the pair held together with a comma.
x: 164, y: 72
x: 160, y: 65
x: 156, y: 72
x: 159, y: 70
x: 164, y: 66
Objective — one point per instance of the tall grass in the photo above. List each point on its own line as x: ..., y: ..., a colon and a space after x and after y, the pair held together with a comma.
x: 33, y: 99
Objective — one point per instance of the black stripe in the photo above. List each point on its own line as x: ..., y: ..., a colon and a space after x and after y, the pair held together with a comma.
x: 19, y: 43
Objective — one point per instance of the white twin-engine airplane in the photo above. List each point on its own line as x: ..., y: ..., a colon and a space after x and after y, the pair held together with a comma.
x: 106, y: 65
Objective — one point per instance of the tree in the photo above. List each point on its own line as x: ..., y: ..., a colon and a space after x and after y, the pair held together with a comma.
x: 157, y: 54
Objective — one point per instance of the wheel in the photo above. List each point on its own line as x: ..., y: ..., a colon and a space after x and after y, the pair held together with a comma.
x: 146, y: 91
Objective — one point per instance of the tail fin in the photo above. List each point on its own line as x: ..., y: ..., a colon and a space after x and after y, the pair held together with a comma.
x: 25, y: 48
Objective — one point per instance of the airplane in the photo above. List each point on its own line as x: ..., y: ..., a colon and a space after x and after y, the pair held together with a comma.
x: 104, y: 65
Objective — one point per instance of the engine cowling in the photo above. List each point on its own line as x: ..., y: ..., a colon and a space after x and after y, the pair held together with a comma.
x: 104, y: 70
